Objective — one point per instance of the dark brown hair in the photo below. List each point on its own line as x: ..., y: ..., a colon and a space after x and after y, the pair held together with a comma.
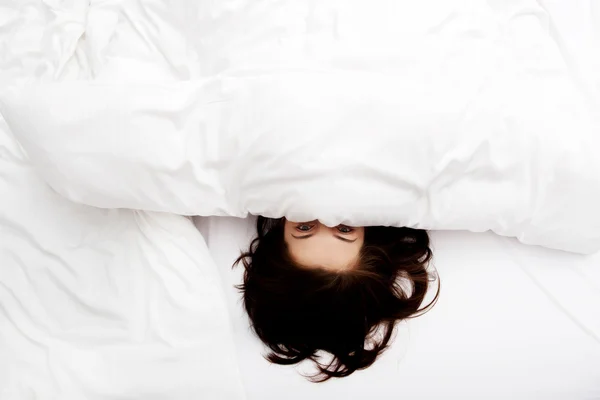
x: 299, y: 312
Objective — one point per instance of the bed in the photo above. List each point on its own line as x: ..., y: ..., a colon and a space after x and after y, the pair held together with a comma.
x: 125, y: 304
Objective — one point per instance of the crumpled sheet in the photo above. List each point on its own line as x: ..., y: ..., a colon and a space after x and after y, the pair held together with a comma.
x: 96, y: 304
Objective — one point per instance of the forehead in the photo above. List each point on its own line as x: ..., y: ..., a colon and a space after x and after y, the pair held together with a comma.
x: 323, y: 250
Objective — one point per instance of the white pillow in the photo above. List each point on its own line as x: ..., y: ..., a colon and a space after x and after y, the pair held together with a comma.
x: 474, y: 126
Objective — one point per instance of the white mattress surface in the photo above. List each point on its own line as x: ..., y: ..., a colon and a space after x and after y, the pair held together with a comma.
x: 512, y: 322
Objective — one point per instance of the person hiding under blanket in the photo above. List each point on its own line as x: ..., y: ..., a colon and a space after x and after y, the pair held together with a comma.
x: 309, y: 289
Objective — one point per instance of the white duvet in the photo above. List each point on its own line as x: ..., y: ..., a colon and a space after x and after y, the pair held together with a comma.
x: 449, y: 115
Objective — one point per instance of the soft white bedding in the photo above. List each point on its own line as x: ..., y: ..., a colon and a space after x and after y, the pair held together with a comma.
x: 117, y: 304
x: 105, y: 304
x: 512, y: 322
x: 437, y: 114
x: 97, y: 304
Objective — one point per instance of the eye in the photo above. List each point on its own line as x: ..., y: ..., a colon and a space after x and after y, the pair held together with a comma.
x: 304, y: 227
x: 344, y: 229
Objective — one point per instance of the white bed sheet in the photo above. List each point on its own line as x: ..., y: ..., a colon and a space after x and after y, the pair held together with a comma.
x: 105, y: 304
x: 512, y: 322
x: 575, y: 27
x: 96, y: 304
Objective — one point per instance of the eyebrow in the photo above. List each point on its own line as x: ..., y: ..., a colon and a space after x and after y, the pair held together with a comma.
x: 343, y: 239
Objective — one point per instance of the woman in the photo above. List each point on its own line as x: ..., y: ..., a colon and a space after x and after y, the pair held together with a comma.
x: 310, y: 288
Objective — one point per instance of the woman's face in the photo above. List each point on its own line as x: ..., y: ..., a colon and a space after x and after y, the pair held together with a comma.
x: 315, y: 245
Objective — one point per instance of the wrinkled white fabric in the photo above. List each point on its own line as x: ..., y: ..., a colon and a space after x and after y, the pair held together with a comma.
x: 96, y: 304
x: 116, y: 304
x: 439, y: 115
